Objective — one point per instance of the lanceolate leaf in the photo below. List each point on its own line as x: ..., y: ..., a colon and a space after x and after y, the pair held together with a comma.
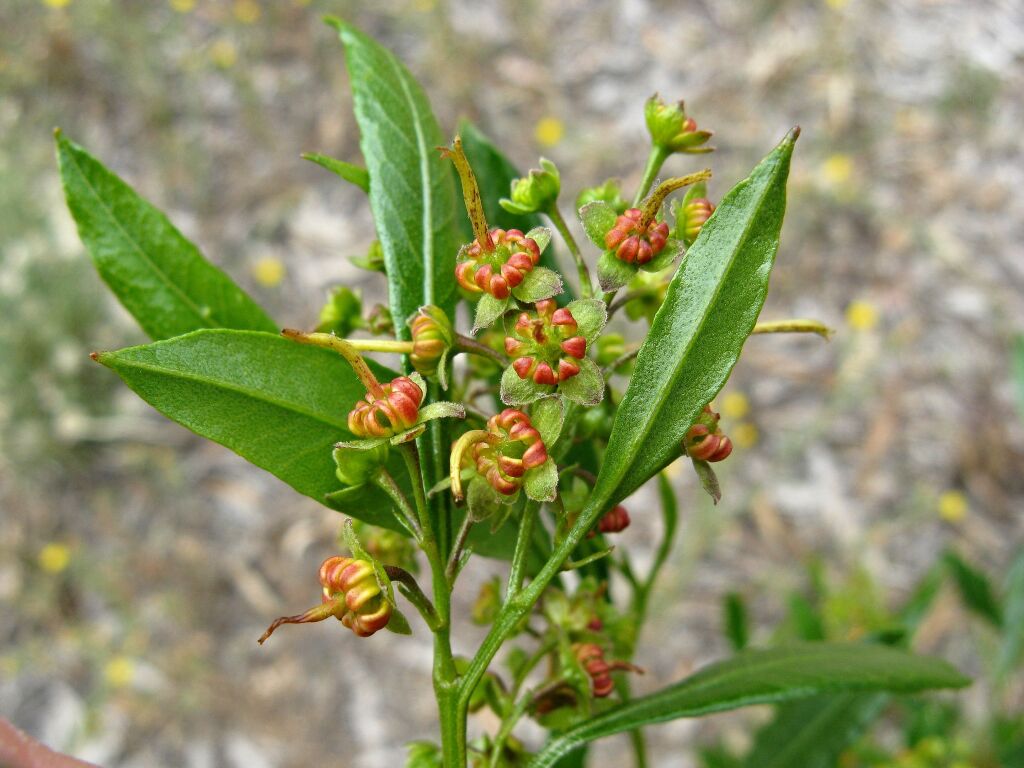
x: 710, y: 308
x: 411, y: 191
x: 156, y: 273
x: 764, y: 676
x: 975, y: 590
x: 279, y: 404
x: 353, y: 174
x: 814, y: 732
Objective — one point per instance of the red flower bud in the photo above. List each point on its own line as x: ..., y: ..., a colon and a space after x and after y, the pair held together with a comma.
x: 500, y: 269
x: 634, y: 244
x: 396, y: 411
x: 545, y: 344
x: 705, y: 440
x: 591, y: 658
x: 614, y: 520
x: 351, y: 594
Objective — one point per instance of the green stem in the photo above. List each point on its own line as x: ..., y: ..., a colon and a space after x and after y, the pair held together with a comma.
x: 586, y: 286
x: 518, y: 710
x: 381, y: 345
x: 446, y: 687
x: 460, y: 544
x: 522, y: 550
x: 386, y: 483
x: 655, y: 160
x: 474, y: 347
x: 411, y: 589
x: 796, y: 325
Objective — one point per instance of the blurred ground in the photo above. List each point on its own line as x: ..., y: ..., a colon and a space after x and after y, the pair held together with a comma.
x: 138, y: 564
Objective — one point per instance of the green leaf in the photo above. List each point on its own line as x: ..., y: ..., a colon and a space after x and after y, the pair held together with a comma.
x: 539, y: 283
x: 590, y: 316
x: 156, y: 273
x: 975, y: 590
x: 494, y: 176
x: 737, y: 622
x: 541, y: 236
x: 760, y: 677
x: 814, y: 732
x: 353, y: 174
x: 710, y: 308
x: 597, y: 217
x: 279, y: 404
x: 488, y: 310
x: 517, y: 391
x: 708, y: 479
x: 586, y: 387
x: 1013, y: 619
x: 368, y: 503
x: 411, y: 192
x: 547, y: 416
x: 541, y: 482
x: 398, y: 623
x: 612, y: 272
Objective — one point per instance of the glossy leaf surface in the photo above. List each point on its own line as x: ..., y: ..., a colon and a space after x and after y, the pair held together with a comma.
x: 159, y: 276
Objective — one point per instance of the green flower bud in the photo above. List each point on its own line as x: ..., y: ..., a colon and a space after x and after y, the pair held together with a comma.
x: 432, y: 337
x: 373, y: 261
x: 535, y: 192
x: 342, y: 313
x: 379, y: 322
x: 610, y: 192
x: 672, y: 130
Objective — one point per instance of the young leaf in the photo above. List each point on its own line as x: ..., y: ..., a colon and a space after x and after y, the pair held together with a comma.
x: 708, y: 480
x: 156, y: 273
x: 411, y: 193
x: 975, y: 590
x: 814, y: 732
x: 279, y: 404
x: 586, y: 387
x: 1013, y: 619
x: 597, y: 217
x: 590, y: 315
x: 546, y: 416
x: 710, y: 308
x: 737, y: 623
x: 764, y: 676
x: 542, y: 482
x: 539, y: 283
x: 517, y: 391
x: 353, y: 174
x: 488, y: 309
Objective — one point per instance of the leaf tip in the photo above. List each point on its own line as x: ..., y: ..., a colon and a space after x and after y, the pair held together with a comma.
x: 793, y: 135
x: 335, y: 21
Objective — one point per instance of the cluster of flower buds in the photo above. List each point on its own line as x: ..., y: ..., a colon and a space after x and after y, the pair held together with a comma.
x: 351, y: 594
x: 615, y: 520
x: 705, y: 440
x: 633, y: 242
x: 512, y: 447
x: 500, y: 268
x: 591, y: 657
x: 672, y: 130
x: 396, y: 409
x: 432, y: 337
x: 546, y: 345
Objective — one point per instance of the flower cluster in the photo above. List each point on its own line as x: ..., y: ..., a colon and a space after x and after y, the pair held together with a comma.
x: 351, y: 593
x: 590, y: 656
x: 512, y: 447
x: 705, y: 440
x: 634, y: 242
x: 395, y: 410
x: 545, y: 345
x: 500, y: 268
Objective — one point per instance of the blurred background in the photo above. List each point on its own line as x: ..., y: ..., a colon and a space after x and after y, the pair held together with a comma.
x: 138, y: 563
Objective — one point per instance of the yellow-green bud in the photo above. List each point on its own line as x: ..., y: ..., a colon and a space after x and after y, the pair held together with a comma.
x: 432, y: 337
x: 536, y: 191
x: 672, y: 130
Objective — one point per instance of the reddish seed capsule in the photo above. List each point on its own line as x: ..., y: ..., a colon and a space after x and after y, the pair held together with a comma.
x: 591, y: 658
x: 705, y: 440
x: 513, y: 446
x: 633, y: 244
x: 396, y: 411
x: 497, y: 270
x: 544, y: 344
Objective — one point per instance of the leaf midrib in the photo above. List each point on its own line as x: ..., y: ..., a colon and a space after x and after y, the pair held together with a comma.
x: 253, y: 394
x: 207, y: 321
x: 663, y: 396
x: 570, y: 739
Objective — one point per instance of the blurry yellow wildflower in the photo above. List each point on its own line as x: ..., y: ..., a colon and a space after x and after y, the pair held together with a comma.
x: 548, y: 131
x: 735, y: 405
x: 119, y: 671
x: 953, y: 506
x: 836, y: 4
x: 424, y: 6
x: 862, y: 315
x: 247, y: 11
x: 837, y: 169
x: 745, y: 435
x: 54, y: 557
x: 183, y: 6
x: 223, y: 53
x: 57, y: 3
x: 268, y: 271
